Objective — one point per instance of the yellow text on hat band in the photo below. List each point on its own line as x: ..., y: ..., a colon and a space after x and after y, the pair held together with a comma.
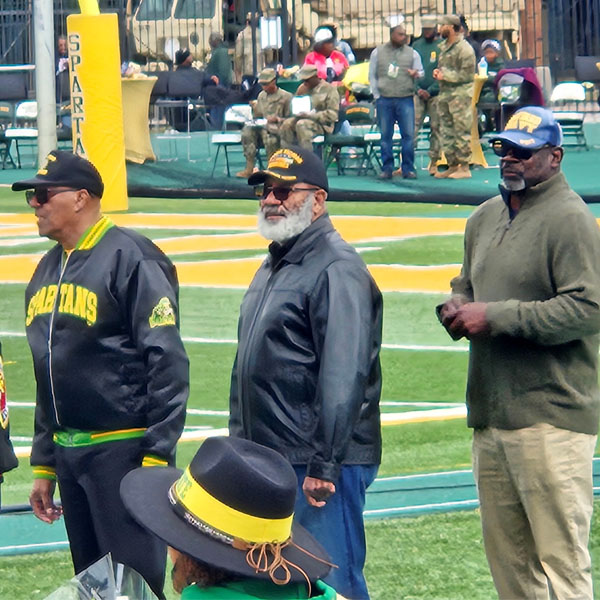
x: 196, y: 500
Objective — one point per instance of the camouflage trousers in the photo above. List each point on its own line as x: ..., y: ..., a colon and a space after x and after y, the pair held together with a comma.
x: 251, y: 138
x: 423, y: 108
x: 300, y: 131
x: 455, y: 117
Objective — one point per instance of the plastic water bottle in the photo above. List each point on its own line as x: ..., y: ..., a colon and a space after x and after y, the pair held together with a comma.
x: 482, y: 67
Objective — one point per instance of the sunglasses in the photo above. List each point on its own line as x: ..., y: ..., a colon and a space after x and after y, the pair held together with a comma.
x: 282, y: 193
x: 41, y: 195
x: 502, y: 149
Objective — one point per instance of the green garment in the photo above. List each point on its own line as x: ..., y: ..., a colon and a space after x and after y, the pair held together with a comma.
x: 325, y: 101
x: 273, y: 105
x: 220, y: 65
x: 540, y: 275
x: 252, y: 589
x: 429, y: 52
x: 457, y: 64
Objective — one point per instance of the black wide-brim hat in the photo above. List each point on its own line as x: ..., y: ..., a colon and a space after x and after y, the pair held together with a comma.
x: 226, y: 475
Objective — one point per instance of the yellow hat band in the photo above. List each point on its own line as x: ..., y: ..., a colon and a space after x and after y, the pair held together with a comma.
x: 211, y: 512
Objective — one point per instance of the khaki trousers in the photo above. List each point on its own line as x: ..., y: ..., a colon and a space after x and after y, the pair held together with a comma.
x: 536, y: 494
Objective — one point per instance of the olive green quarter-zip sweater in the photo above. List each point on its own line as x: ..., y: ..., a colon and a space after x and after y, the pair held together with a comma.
x: 539, y: 272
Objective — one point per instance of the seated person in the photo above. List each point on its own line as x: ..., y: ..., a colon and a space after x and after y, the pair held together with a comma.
x: 325, y: 103
x: 491, y: 50
x: 331, y: 63
x: 188, y: 82
x: 228, y: 521
x: 272, y: 104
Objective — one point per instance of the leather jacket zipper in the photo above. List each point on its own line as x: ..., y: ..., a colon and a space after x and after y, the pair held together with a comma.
x: 50, y: 331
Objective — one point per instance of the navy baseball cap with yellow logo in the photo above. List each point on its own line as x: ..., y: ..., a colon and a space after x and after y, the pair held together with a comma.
x: 293, y: 164
x: 64, y: 169
x: 531, y: 127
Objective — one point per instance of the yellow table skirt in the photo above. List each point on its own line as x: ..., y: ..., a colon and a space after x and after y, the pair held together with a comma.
x: 136, y: 103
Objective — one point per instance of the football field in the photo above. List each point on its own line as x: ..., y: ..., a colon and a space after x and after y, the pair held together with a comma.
x: 412, y: 252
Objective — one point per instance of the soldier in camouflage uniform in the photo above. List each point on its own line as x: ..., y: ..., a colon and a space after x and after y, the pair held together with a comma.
x: 272, y: 104
x: 428, y: 88
x: 325, y: 102
x: 455, y: 72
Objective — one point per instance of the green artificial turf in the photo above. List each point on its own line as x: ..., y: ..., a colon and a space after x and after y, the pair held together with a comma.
x: 433, y: 557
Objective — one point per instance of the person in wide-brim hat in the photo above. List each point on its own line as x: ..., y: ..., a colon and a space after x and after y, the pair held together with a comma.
x: 228, y: 519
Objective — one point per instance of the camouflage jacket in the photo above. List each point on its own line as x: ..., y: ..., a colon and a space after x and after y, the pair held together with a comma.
x: 325, y: 101
x: 457, y: 64
x: 273, y: 105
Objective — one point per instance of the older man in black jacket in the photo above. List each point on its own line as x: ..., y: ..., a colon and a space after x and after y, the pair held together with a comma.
x: 307, y: 378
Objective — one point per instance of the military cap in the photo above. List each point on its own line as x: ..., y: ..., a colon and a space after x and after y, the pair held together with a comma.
x: 450, y: 20
x: 267, y: 75
x: 429, y: 22
x: 306, y: 72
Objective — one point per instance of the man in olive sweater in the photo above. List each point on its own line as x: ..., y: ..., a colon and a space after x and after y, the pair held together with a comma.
x: 528, y: 300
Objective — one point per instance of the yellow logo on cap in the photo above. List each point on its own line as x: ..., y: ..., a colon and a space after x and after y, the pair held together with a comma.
x: 524, y: 121
x: 284, y: 159
x: 44, y: 170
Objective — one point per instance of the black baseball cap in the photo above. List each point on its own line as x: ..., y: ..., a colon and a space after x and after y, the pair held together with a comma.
x: 64, y: 169
x: 293, y: 164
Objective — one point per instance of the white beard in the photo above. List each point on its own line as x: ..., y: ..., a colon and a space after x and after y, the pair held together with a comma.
x: 514, y: 185
x: 293, y: 224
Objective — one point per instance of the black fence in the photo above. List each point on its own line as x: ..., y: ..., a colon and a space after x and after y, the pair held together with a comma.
x: 552, y: 32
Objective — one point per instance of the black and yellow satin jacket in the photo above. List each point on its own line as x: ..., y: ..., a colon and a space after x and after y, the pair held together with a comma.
x: 102, y: 322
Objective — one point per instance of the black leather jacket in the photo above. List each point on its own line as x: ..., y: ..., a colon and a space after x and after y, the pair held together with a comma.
x: 307, y: 379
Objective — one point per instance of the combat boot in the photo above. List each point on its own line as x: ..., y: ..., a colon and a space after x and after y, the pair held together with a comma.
x: 447, y: 172
x: 247, y: 171
x: 463, y: 172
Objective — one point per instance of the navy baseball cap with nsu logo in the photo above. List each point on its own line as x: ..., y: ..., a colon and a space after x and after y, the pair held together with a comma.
x: 293, y: 164
x: 531, y: 127
x: 64, y: 169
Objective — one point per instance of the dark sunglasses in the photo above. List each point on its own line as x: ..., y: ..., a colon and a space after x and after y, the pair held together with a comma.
x: 502, y: 149
x: 281, y: 193
x: 41, y: 194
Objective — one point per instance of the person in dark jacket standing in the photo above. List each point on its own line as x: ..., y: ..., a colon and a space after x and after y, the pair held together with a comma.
x: 8, y: 460
x: 428, y: 88
x: 306, y: 379
x: 219, y: 67
x: 532, y: 391
x: 111, y: 370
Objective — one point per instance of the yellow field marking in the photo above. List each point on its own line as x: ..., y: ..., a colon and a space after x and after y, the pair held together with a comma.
x: 238, y: 273
x: 353, y: 229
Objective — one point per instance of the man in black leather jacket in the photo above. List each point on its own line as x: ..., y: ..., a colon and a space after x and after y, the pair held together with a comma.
x: 307, y: 379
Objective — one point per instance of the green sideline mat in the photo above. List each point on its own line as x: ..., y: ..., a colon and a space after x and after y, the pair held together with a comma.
x: 408, y: 495
x: 185, y: 164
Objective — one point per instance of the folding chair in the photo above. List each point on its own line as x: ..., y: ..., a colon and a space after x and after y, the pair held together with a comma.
x: 7, y: 116
x: 353, y: 148
x: 225, y: 141
x: 25, y: 128
x: 566, y: 100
